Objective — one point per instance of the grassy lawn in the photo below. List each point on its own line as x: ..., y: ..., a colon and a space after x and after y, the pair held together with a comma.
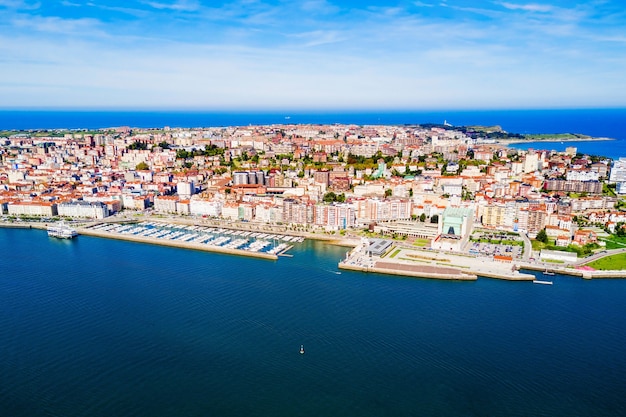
x: 613, y: 262
x: 555, y: 136
x: 606, y: 190
x: 421, y: 242
x: 393, y: 255
x: 537, y: 245
x: 614, y: 242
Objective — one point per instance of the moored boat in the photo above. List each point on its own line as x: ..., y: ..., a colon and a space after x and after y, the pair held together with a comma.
x: 62, y: 231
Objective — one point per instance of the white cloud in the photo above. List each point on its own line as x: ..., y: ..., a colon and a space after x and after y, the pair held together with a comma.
x: 249, y: 53
x: 180, y: 5
x: 422, y: 4
x: 320, y: 37
x: 19, y: 4
x: 531, y: 7
x: 53, y: 24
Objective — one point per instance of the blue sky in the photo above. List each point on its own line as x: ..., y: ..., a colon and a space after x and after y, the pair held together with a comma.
x: 312, y: 54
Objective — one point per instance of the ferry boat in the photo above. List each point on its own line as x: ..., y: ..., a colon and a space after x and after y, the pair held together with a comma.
x: 61, y: 231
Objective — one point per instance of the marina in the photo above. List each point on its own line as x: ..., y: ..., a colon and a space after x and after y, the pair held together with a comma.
x: 207, y: 238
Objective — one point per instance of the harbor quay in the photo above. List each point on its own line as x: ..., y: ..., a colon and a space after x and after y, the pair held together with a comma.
x: 196, y: 236
x: 176, y: 244
x: 386, y: 257
x: 390, y: 257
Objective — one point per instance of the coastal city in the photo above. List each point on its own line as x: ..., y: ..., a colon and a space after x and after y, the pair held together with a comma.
x: 420, y: 200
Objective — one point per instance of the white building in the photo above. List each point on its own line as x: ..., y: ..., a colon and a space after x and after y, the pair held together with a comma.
x: 531, y: 162
x: 166, y: 203
x: 618, y: 171
x: 203, y: 207
x: 185, y: 189
x: 83, y: 209
x: 582, y: 176
x: 268, y: 213
x: 230, y: 211
x: 31, y: 208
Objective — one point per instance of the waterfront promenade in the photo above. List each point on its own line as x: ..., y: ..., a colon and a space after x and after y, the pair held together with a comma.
x: 423, y: 263
x: 401, y: 259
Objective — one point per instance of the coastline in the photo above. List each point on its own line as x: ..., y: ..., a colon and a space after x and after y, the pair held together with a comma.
x: 423, y: 273
x: 424, y: 264
x: 139, y: 239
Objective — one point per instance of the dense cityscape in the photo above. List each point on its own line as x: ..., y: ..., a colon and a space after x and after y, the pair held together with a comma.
x: 433, y: 184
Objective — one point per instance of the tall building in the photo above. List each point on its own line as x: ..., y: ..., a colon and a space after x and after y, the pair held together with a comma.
x: 457, y: 221
x: 618, y: 171
x: 240, y: 178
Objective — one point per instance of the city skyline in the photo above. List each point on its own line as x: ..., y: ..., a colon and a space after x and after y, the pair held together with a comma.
x: 311, y: 55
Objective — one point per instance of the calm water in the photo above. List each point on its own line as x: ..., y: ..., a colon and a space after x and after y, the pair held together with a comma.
x: 97, y: 327
x: 611, y: 148
x: 592, y: 122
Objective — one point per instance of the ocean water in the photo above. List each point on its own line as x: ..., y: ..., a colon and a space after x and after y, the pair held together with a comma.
x: 97, y: 327
x: 609, y: 148
x: 593, y: 122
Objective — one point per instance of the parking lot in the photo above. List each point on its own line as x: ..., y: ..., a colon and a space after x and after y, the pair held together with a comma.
x: 490, y: 244
x: 491, y: 249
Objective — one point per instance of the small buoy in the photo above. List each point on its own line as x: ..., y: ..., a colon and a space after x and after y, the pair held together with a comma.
x: 301, y: 349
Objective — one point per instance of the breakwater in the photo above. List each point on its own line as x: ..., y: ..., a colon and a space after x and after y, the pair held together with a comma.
x: 411, y: 271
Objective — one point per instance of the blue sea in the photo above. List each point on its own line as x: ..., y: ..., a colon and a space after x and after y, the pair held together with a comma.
x: 96, y: 327
x: 610, y: 123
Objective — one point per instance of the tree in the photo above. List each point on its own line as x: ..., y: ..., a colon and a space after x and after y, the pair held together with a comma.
x: 182, y: 154
x: 388, y: 192
x: 330, y: 197
x: 542, y: 236
x: 423, y: 217
x: 434, y: 218
x: 138, y: 146
x: 142, y: 166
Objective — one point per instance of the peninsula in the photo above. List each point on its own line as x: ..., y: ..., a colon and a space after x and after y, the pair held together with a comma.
x: 417, y: 200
